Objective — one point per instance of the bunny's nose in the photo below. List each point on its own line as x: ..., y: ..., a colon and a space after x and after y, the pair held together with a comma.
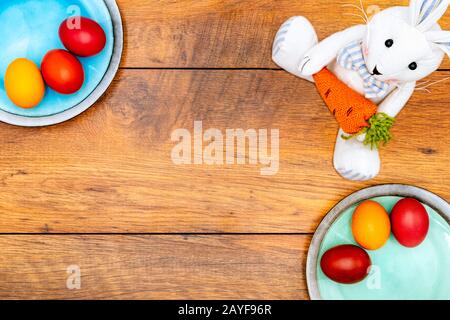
x: 375, y: 71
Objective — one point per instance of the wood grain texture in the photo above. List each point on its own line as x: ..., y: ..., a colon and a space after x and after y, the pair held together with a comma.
x: 110, y: 169
x: 154, y: 267
x: 226, y: 33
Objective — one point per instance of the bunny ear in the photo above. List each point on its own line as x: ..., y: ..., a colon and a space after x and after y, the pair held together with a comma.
x: 414, y: 11
x: 441, y: 39
x: 425, y: 13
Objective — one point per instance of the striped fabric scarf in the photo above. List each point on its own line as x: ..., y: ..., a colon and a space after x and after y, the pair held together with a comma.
x: 351, y: 57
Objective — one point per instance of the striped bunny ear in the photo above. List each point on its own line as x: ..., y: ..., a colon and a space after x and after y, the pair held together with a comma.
x: 441, y: 39
x: 425, y: 13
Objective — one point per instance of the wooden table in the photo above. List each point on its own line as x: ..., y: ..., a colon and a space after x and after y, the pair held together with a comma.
x: 101, y: 191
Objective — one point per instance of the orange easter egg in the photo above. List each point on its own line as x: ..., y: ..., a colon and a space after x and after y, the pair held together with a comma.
x: 371, y: 226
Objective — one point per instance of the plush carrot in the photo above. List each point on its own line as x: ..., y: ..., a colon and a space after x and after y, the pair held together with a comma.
x: 354, y: 113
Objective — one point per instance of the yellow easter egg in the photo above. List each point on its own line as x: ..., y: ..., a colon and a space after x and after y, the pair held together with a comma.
x: 24, y: 84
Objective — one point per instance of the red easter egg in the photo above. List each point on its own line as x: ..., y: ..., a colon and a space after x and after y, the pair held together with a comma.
x: 82, y: 36
x: 410, y: 222
x: 62, y: 71
x: 346, y: 263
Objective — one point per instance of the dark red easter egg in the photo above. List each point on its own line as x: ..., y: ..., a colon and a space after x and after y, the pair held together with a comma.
x: 82, y: 36
x: 62, y: 71
x: 410, y: 222
x: 346, y: 263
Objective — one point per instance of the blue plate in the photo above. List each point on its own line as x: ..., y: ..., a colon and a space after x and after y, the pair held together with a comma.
x: 29, y: 29
x: 398, y: 272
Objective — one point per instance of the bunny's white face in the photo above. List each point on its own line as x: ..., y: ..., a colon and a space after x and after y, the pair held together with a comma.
x: 394, y: 50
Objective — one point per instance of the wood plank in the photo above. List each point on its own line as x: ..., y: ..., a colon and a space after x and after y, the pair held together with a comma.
x: 110, y: 169
x: 225, y: 33
x: 154, y: 267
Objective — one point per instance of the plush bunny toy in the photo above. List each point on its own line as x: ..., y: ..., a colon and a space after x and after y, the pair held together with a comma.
x: 381, y: 61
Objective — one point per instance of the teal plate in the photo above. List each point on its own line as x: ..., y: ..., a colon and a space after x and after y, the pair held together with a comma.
x: 398, y: 272
x: 29, y: 29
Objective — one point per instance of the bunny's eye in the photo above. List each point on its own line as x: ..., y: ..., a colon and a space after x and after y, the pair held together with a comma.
x: 412, y: 66
x: 389, y: 43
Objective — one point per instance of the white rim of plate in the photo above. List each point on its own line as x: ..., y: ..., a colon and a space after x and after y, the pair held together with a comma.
x: 435, y: 202
x: 93, y: 97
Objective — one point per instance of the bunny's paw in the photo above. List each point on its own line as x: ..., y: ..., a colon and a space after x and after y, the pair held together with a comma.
x: 295, y: 37
x: 313, y: 62
x: 355, y: 161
